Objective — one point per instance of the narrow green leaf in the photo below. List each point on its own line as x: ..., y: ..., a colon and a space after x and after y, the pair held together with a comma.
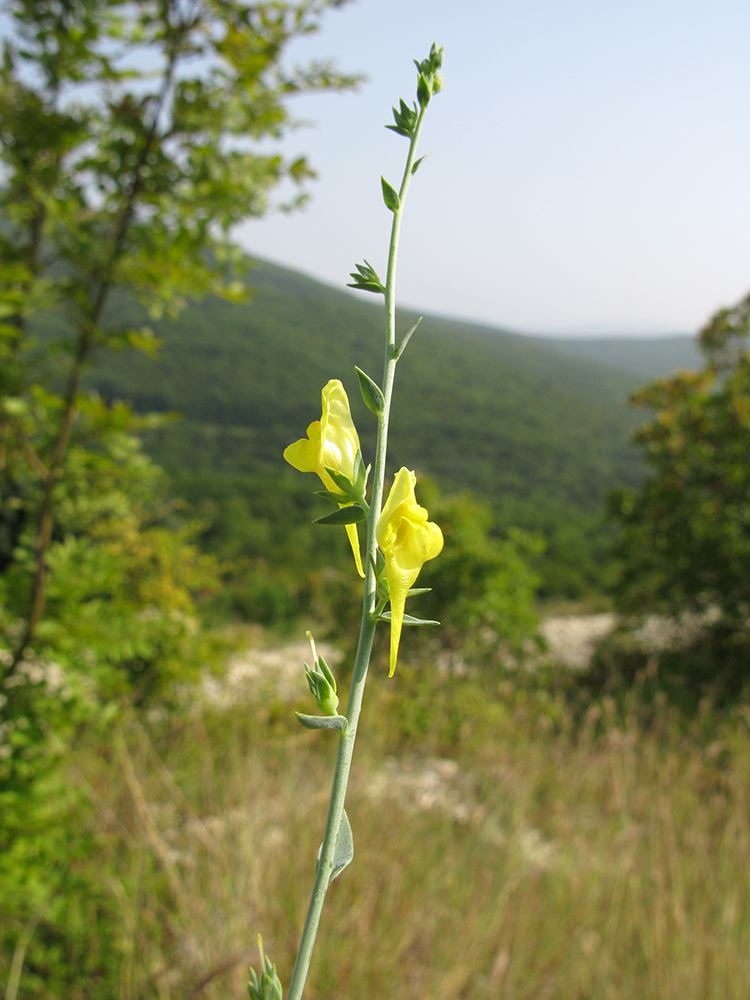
x: 417, y: 162
x: 337, y: 722
x: 371, y: 393
x: 408, y: 619
x: 351, y: 514
x: 344, y: 850
x: 326, y: 671
x: 390, y: 196
x: 407, y: 338
x: 366, y: 286
x: 342, y: 481
x: 366, y: 279
x: 330, y: 495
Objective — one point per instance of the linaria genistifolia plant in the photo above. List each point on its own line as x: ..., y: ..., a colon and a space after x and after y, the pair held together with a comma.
x: 400, y: 538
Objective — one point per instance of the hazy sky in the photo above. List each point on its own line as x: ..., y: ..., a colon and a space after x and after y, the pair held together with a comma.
x: 590, y: 161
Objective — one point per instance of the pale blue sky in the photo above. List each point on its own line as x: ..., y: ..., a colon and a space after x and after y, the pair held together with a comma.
x: 589, y: 169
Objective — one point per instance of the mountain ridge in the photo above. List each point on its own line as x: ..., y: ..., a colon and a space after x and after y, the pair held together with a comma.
x: 541, y: 436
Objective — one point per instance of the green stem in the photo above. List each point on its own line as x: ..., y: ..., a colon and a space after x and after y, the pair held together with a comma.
x: 390, y: 282
x: 367, y: 628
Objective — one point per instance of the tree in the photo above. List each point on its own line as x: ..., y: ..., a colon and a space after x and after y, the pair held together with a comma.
x: 126, y: 136
x: 484, y: 585
x: 686, y: 531
x: 128, y: 151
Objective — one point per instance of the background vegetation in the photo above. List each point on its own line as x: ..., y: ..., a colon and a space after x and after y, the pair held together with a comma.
x: 509, y: 843
x: 539, y: 435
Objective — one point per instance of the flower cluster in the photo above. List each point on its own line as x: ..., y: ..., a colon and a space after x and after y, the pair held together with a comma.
x: 404, y: 535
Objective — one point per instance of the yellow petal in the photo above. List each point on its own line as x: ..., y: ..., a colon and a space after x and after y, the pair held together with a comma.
x: 399, y: 585
x: 402, y: 491
x: 351, y: 530
x: 332, y: 443
x: 304, y: 455
x: 339, y: 438
x: 407, y: 540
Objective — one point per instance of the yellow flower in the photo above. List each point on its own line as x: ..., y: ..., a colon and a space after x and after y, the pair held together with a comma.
x: 332, y: 442
x: 407, y: 540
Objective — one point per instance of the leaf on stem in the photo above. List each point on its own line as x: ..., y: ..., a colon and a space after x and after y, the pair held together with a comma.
x: 371, y: 392
x: 366, y: 279
x: 417, y: 163
x: 329, y: 495
x: 407, y: 338
x: 390, y: 196
x: 350, y: 514
x: 343, y: 482
x: 337, y: 722
x: 405, y: 119
x: 408, y: 619
x: 344, y: 851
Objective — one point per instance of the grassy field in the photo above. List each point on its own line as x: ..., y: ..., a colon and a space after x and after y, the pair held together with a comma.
x: 510, y: 842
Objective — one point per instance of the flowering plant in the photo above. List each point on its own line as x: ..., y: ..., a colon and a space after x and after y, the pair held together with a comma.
x: 331, y: 449
x: 407, y: 540
x: 400, y: 537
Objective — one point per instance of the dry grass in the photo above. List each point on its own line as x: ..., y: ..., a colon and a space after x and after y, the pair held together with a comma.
x: 565, y: 856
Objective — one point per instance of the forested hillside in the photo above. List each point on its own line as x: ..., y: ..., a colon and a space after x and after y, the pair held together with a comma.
x: 541, y: 436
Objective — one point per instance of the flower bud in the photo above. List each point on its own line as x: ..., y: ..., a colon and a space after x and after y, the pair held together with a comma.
x: 321, y: 682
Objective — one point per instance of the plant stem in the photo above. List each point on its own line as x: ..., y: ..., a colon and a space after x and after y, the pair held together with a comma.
x: 367, y: 627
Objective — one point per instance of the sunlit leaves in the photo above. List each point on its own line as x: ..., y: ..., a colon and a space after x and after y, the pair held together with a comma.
x: 686, y: 538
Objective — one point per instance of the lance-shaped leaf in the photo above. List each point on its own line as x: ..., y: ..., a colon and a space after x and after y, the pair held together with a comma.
x: 337, y: 722
x: 406, y: 619
x: 344, y: 482
x: 417, y: 163
x: 390, y: 196
x: 361, y: 472
x: 407, y: 337
x: 344, y: 851
x: 371, y: 392
x: 328, y: 495
x: 353, y: 513
x: 424, y: 90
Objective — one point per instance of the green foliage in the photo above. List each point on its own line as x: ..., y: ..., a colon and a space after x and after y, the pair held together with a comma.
x: 124, y: 572
x: 121, y: 625
x: 130, y: 175
x: 266, y: 986
x: 483, y: 586
x: 688, y: 529
x: 126, y: 162
x: 477, y: 819
x: 686, y: 532
x: 130, y: 145
x: 541, y: 438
